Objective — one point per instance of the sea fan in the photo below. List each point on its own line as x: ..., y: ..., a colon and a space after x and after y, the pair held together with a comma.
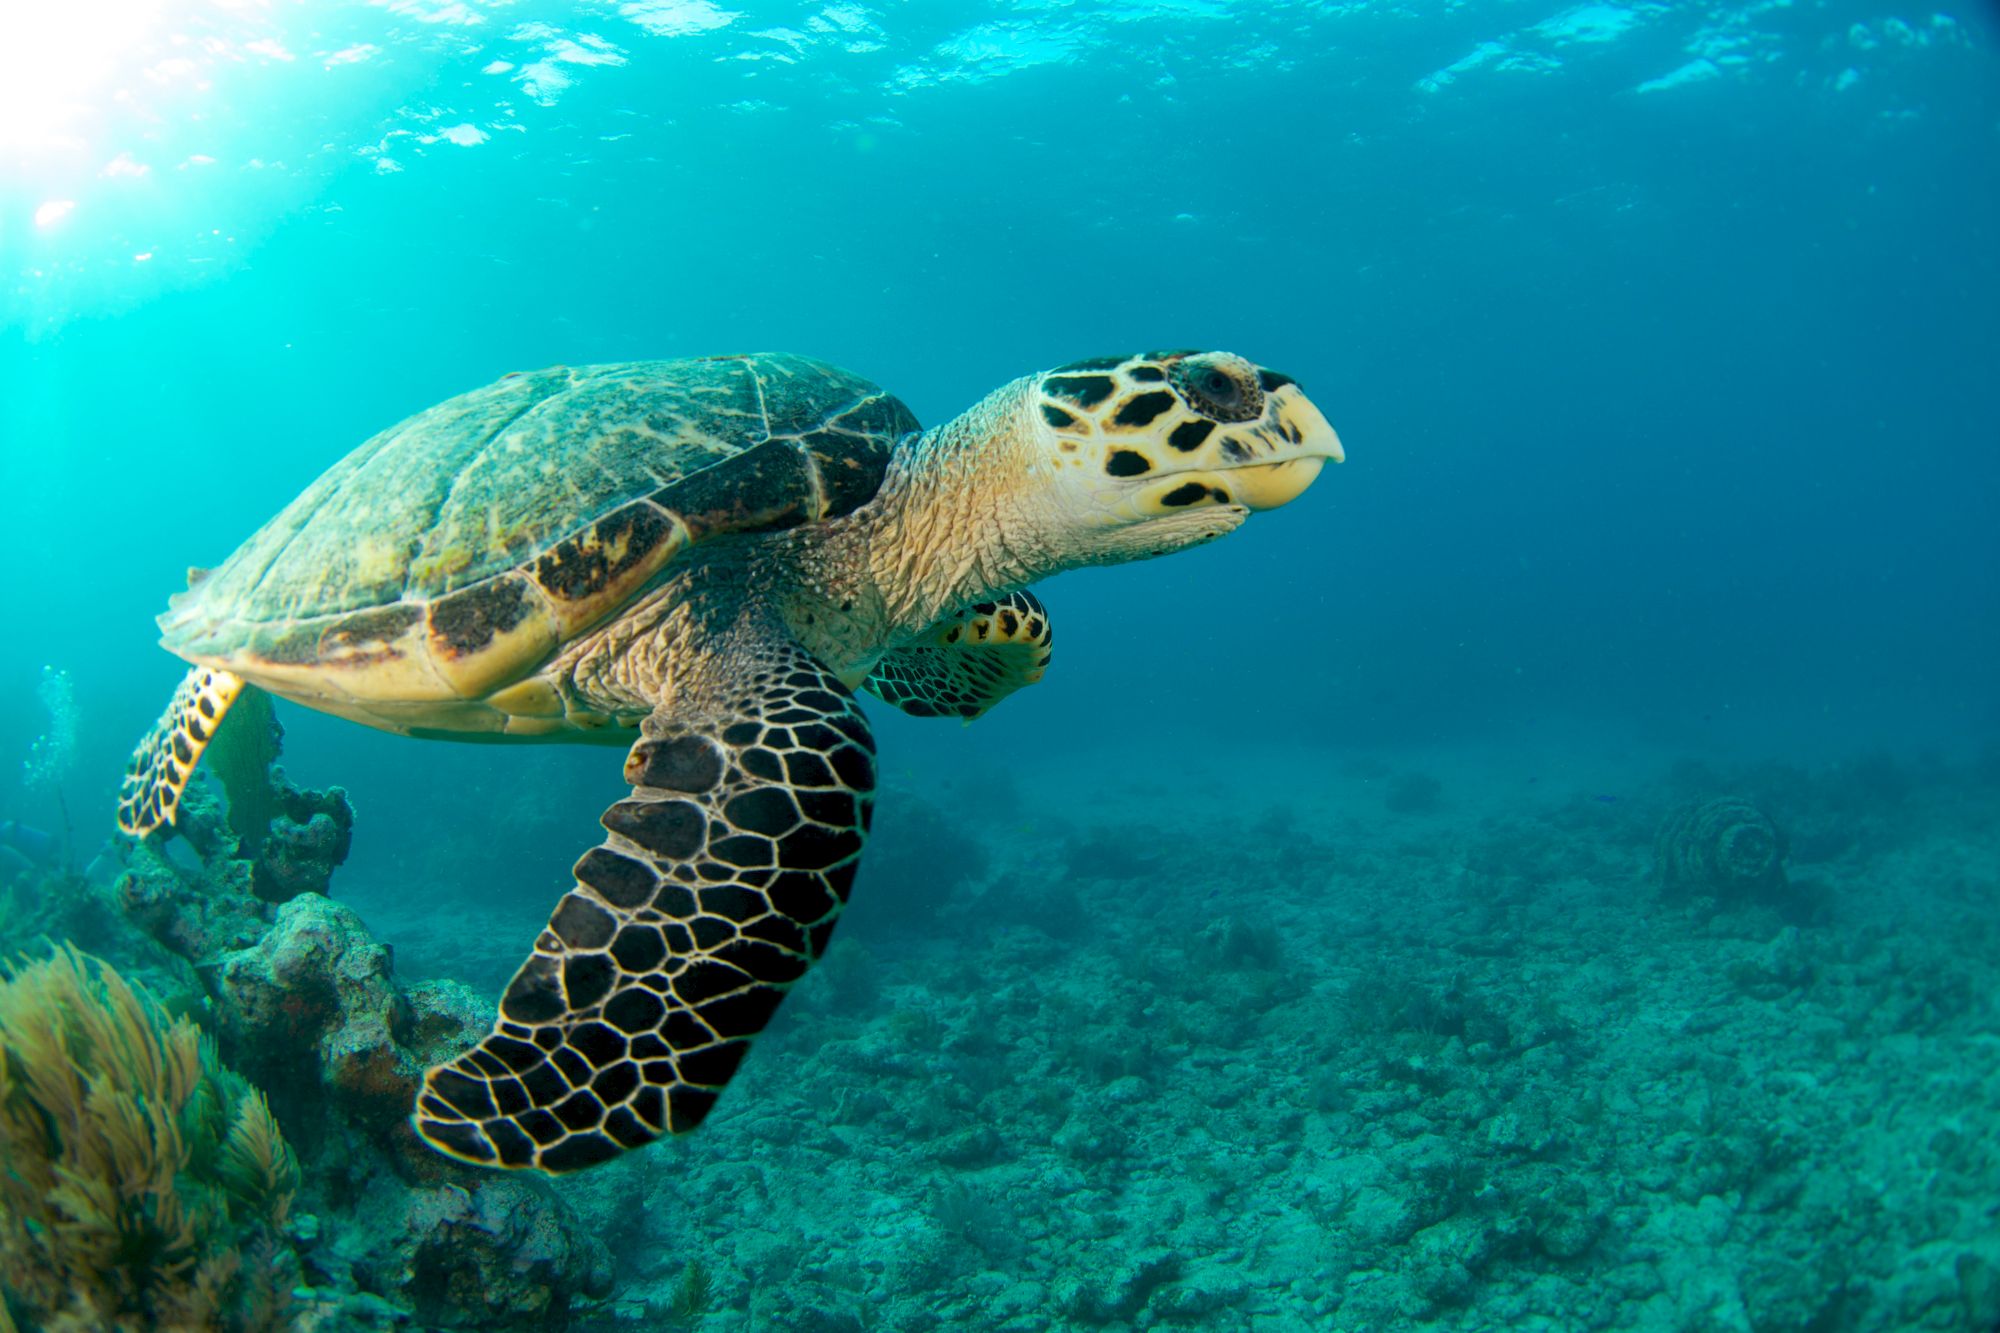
x: 120, y: 1207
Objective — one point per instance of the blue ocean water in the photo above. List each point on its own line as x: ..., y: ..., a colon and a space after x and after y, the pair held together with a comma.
x: 1660, y: 338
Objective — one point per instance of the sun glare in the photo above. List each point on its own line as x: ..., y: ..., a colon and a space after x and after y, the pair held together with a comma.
x: 61, y: 66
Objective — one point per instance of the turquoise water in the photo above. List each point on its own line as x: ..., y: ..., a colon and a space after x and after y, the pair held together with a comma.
x: 1299, y: 953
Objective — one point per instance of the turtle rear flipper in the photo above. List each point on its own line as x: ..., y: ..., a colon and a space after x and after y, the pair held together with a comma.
x: 965, y: 664
x: 716, y: 889
x: 164, y: 761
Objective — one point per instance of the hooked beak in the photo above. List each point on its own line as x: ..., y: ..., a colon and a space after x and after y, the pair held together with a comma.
x: 1301, y: 440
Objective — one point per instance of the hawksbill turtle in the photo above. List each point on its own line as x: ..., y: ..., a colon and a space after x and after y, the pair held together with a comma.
x: 700, y: 559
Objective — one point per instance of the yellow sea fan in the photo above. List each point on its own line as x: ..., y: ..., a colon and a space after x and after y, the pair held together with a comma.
x: 256, y: 1162
x: 107, y: 1220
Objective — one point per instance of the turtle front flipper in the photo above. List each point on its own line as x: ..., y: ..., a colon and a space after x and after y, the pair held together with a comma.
x: 716, y: 889
x: 164, y: 761
x: 966, y: 663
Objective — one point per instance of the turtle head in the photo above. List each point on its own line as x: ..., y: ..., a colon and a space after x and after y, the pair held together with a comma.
x: 1152, y: 453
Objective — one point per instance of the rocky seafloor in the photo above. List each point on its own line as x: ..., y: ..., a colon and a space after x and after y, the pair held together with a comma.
x: 1389, y: 1046
x: 1385, y: 1051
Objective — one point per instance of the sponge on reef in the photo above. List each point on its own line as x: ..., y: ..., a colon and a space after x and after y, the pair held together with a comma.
x: 1726, y: 848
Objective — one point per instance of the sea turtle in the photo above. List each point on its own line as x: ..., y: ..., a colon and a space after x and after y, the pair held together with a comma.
x: 701, y: 559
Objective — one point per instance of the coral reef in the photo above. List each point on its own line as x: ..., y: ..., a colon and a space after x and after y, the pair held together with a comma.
x: 1724, y: 848
x: 1175, y: 1065
x: 228, y: 922
x: 145, y: 1186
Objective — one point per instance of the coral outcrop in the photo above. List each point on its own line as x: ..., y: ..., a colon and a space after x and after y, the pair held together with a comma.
x: 226, y: 919
x: 291, y: 838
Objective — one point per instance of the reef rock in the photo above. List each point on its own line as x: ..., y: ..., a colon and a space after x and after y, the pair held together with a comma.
x: 504, y: 1252
x: 198, y: 906
x: 292, y: 837
x: 318, y: 985
x: 1725, y: 848
x: 317, y: 994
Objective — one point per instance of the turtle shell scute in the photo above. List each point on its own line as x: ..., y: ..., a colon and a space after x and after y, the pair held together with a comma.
x: 556, y: 476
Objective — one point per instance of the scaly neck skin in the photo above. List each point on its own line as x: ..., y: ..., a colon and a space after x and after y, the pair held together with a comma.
x: 960, y: 517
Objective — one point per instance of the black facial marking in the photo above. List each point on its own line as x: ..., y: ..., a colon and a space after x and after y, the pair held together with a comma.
x: 1147, y: 374
x: 1089, y: 363
x: 1272, y: 380
x: 1184, y: 495
x: 1126, y: 463
x: 639, y: 949
x: 743, y: 1014
x: 1083, y: 390
x: 464, y: 1140
x: 467, y: 1096
x: 1143, y: 408
x: 1190, y: 435
x: 1056, y: 417
x: 516, y: 1148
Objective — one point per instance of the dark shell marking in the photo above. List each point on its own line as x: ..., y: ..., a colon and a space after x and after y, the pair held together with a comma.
x: 467, y: 620
x: 716, y: 888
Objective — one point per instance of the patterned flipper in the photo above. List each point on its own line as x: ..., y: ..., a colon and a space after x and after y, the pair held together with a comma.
x: 715, y: 891
x: 160, y: 768
x: 964, y: 665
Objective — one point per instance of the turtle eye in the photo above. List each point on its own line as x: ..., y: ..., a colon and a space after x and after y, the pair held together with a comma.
x: 1217, y: 390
